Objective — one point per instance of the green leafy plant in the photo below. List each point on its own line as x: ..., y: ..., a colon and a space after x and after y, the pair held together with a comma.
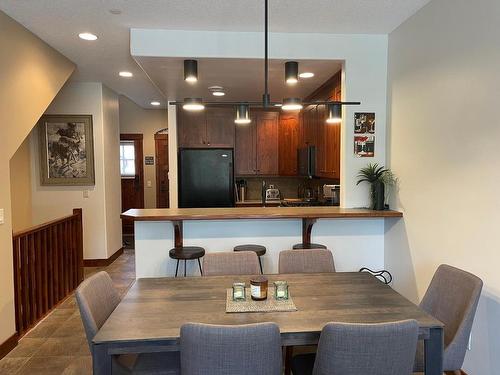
x: 371, y: 173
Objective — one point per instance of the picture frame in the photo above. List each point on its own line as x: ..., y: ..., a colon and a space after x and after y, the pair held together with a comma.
x: 66, y: 150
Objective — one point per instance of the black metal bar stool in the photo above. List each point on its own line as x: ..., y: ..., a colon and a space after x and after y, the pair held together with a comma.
x: 257, y: 249
x: 305, y: 246
x: 187, y: 253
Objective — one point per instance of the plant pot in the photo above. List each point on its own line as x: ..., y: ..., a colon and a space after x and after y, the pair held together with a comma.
x: 378, y: 196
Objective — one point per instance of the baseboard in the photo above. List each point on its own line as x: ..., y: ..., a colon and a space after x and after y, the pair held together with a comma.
x: 102, y: 262
x: 8, y: 345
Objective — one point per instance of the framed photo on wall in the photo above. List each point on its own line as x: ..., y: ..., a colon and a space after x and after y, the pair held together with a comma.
x: 66, y: 150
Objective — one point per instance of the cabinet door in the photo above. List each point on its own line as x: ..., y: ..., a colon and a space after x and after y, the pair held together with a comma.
x: 309, y: 136
x: 267, y: 143
x: 288, y: 144
x: 191, y: 128
x: 321, y: 145
x: 245, y: 162
x: 220, y: 127
x: 331, y: 134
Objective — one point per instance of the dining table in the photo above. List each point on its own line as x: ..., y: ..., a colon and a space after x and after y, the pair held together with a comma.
x: 149, y: 317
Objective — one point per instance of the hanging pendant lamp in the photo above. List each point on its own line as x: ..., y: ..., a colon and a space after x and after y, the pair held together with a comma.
x: 190, y: 71
x: 291, y: 72
x: 242, y: 114
x: 193, y: 104
x: 291, y: 104
x: 334, y: 113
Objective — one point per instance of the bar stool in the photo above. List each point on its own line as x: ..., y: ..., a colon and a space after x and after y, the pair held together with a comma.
x: 187, y: 253
x: 306, y: 246
x: 257, y: 249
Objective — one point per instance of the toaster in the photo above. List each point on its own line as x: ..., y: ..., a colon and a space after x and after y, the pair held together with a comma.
x: 272, y: 194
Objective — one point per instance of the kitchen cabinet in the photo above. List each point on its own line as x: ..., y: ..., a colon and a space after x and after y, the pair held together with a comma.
x: 245, y: 162
x: 213, y: 127
x: 288, y: 143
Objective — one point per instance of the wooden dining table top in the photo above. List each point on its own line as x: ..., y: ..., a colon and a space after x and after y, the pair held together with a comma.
x: 154, y: 309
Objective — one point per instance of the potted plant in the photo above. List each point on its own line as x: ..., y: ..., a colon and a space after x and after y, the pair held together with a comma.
x: 374, y: 175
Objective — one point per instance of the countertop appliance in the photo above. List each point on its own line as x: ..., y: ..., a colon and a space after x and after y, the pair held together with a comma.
x: 272, y: 194
x: 206, y: 177
x: 331, y: 193
x: 307, y: 161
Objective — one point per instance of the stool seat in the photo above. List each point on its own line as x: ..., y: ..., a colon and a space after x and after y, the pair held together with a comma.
x: 186, y: 253
x: 257, y: 249
x: 306, y: 246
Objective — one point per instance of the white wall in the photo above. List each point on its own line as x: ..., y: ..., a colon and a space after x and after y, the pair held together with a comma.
x: 101, y: 210
x: 444, y: 86
x: 365, y: 77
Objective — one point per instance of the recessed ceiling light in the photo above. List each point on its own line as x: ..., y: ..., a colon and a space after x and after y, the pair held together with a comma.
x: 306, y: 75
x: 155, y: 103
x: 126, y: 74
x: 87, y: 36
x: 218, y: 93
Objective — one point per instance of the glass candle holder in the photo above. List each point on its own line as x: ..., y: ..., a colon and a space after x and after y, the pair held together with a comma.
x: 281, y: 290
x: 239, y: 292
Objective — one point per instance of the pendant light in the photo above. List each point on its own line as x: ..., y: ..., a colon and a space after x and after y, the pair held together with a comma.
x: 334, y: 114
x: 291, y: 104
x: 193, y: 104
x: 190, y: 71
x: 291, y: 72
x: 242, y: 114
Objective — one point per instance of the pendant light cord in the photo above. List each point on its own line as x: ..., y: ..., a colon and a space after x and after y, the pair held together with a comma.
x: 266, y: 97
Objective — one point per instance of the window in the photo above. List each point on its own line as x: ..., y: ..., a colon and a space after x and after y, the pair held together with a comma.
x: 127, y: 158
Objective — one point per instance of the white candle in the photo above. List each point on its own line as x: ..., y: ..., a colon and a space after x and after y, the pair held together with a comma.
x: 238, y: 294
x: 280, y: 293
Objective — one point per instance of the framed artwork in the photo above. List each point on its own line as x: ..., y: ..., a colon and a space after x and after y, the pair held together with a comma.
x: 66, y: 150
x: 364, y: 123
x: 364, y: 146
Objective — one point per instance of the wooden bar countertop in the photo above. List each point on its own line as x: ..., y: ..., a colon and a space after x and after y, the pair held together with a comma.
x: 179, y: 214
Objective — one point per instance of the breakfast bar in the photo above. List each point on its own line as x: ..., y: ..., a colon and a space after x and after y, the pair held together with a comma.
x: 354, y: 234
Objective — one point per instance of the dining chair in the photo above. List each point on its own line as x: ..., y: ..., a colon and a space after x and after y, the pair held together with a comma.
x: 230, y: 350
x: 231, y: 263
x: 97, y: 298
x: 452, y: 298
x: 306, y: 261
x: 360, y: 349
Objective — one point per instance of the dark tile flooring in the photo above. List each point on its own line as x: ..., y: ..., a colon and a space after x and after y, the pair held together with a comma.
x: 57, y: 345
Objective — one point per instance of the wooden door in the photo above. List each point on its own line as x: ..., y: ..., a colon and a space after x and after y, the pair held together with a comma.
x: 267, y: 143
x: 245, y: 162
x: 220, y: 127
x: 162, y: 187
x: 132, y: 175
x: 191, y: 128
x: 288, y: 144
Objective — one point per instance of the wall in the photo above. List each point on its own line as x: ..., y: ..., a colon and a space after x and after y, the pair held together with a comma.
x: 31, y: 75
x: 135, y: 119
x: 20, y: 187
x: 102, y: 208
x: 444, y: 86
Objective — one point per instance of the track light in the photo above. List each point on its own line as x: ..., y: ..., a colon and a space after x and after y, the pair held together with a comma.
x: 193, y: 104
x: 190, y: 71
x: 291, y: 104
x: 242, y: 114
x: 334, y: 114
x: 291, y: 72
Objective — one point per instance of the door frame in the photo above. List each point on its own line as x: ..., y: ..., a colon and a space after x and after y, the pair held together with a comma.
x: 160, y: 136
x: 140, y: 153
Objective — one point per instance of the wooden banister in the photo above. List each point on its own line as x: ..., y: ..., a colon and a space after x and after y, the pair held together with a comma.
x: 48, y: 266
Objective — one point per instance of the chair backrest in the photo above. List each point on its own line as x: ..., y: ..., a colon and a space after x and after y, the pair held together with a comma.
x: 96, y: 298
x: 230, y: 350
x: 231, y: 263
x: 306, y: 261
x: 452, y: 298
x: 375, y: 349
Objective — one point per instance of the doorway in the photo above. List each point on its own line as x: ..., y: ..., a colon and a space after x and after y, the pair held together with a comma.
x: 132, y: 176
x: 162, y: 188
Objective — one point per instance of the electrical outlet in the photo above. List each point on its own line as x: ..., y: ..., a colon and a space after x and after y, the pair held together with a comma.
x: 469, y: 344
x: 2, y: 219
x: 85, y: 193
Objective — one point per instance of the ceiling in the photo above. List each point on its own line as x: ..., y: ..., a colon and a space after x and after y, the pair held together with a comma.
x: 58, y: 22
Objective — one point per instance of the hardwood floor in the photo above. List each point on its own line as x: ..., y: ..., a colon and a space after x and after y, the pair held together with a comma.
x: 57, y: 345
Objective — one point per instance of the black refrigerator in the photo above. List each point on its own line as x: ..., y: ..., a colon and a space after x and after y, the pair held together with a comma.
x: 206, y: 177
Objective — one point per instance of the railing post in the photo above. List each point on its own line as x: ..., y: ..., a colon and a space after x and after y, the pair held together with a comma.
x: 79, y: 241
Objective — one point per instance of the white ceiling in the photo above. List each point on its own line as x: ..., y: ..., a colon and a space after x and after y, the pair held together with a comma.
x: 58, y: 22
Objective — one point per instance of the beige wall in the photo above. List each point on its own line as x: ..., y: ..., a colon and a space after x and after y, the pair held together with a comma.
x: 20, y: 187
x: 30, y: 74
x: 134, y: 119
x: 444, y: 84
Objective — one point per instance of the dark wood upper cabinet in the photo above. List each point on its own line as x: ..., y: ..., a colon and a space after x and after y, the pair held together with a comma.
x: 191, y: 128
x: 245, y: 162
x: 289, y: 134
x: 267, y: 143
x: 220, y: 127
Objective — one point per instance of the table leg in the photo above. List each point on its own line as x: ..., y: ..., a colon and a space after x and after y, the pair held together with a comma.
x: 178, y: 233
x: 307, y: 225
x: 101, y: 360
x: 199, y: 265
x: 433, y: 352
x: 176, y: 267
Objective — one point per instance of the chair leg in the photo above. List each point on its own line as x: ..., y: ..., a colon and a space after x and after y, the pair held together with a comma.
x: 260, y: 264
x: 185, y: 261
x: 199, y: 265
x: 177, y: 268
x: 288, y: 359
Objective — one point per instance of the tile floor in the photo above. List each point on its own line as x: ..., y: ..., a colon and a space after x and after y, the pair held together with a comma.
x: 57, y: 345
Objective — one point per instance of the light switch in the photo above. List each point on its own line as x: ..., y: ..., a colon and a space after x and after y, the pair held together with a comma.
x: 85, y: 193
x: 2, y: 219
x: 149, y: 183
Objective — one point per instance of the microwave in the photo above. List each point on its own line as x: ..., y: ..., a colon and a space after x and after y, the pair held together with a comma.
x: 307, y: 161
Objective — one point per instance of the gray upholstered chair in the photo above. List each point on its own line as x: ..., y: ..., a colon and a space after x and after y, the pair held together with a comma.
x: 231, y: 350
x: 97, y: 298
x: 231, y: 263
x: 452, y: 298
x: 306, y: 261
x: 360, y: 349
